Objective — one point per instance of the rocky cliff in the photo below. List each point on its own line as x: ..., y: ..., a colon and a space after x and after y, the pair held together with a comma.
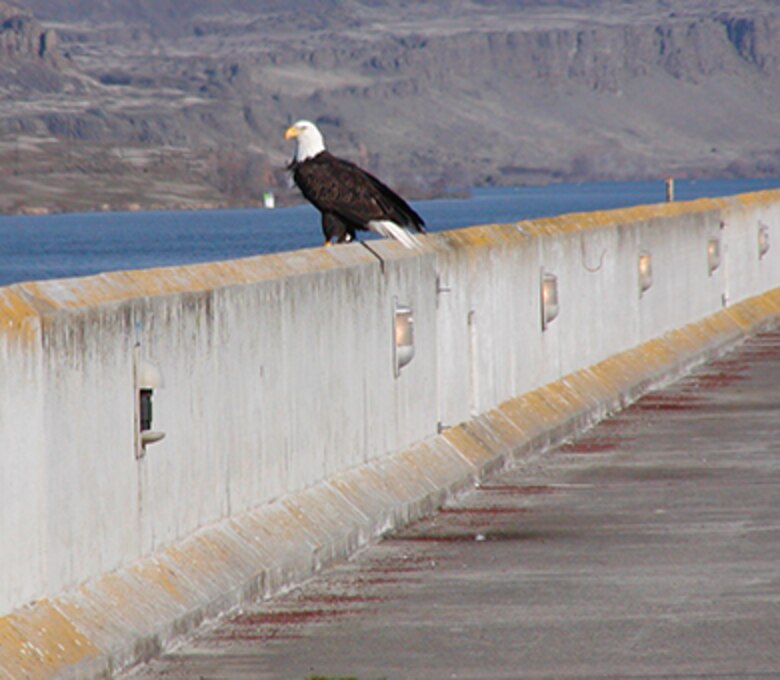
x: 30, y: 55
x: 186, y: 101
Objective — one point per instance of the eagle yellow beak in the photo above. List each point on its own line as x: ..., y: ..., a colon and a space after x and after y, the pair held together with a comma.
x: 291, y: 132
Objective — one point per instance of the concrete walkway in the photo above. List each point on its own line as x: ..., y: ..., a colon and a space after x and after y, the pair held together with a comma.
x: 649, y: 547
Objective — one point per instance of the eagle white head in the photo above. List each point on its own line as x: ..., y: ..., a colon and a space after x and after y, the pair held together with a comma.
x: 308, y: 140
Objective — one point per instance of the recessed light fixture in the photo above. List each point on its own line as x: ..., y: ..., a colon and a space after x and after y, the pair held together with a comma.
x: 148, y: 378
x: 645, y: 268
x: 713, y: 255
x: 403, y: 336
x: 550, y: 306
x: 763, y: 240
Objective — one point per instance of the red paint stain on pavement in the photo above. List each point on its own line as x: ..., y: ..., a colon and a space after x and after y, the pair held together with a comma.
x: 517, y: 489
x: 335, y: 600
x: 710, y: 381
x: 288, y: 617
x: 483, y: 511
x: 392, y: 569
x: 591, y: 445
x: 387, y: 580
x: 487, y: 536
x: 252, y: 635
x: 665, y: 402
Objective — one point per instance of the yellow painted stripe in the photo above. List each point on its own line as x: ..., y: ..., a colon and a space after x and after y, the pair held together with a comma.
x: 23, y: 302
x: 37, y: 641
x: 18, y: 317
x: 89, y: 624
x: 467, y: 445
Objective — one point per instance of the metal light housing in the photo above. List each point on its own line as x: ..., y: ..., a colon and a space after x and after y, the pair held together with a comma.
x: 713, y: 255
x: 403, y: 336
x: 549, y: 293
x: 763, y: 240
x: 148, y: 377
x: 645, y: 272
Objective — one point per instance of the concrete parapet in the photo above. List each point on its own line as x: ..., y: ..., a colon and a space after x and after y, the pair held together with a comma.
x: 290, y: 441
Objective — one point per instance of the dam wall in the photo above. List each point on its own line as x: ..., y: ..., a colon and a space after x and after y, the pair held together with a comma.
x: 278, y: 373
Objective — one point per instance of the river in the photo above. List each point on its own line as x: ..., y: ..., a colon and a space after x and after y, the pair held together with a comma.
x: 67, y: 245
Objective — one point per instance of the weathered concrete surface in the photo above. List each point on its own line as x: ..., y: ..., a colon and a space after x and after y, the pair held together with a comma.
x: 290, y: 442
x: 648, y: 547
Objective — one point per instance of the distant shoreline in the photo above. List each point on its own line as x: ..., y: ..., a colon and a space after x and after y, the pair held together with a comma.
x: 288, y: 199
x: 283, y: 201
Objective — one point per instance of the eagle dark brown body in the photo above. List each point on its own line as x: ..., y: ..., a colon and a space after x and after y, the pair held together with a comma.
x: 349, y: 198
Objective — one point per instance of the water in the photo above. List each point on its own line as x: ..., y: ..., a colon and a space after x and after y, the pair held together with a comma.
x: 59, y: 246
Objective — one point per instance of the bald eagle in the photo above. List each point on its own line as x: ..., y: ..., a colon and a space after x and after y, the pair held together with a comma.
x: 348, y: 197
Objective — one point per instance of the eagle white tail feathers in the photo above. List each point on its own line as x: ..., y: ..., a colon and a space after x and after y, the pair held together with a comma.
x: 392, y: 230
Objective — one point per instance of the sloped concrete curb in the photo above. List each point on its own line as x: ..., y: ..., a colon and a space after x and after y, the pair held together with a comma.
x: 127, y: 617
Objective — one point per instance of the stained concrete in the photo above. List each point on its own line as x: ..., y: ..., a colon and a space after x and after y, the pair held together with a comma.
x: 648, y: 547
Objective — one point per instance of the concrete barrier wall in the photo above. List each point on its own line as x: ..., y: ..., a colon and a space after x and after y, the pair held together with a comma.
x: 493, y: 278
x: 279, y: 372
